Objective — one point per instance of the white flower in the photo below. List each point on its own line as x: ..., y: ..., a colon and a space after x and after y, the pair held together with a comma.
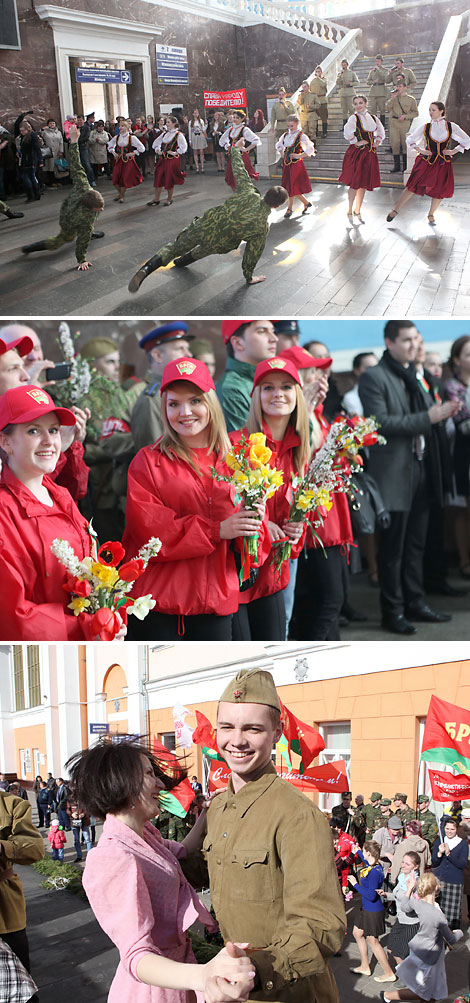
x: 66, y: 341
x: 150, y: 549
x: 142, y: 606
x: 66, y: 556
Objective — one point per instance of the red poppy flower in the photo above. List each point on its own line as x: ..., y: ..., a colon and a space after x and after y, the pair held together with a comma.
x: 105, y: 624
x: 111, y: 553
x: 131, y: 570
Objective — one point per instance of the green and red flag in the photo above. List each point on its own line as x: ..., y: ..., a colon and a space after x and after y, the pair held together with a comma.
x: 205, y: 735
x: 302, y: 738
x: 179, y: 800
x: 446, y: 738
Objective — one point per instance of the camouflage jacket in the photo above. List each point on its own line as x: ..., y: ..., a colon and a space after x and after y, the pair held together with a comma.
x: 429, y: 827
x: 371, y: 813
x: 74, y: 218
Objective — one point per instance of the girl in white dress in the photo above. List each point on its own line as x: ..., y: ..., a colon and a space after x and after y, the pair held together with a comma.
x: 198, y: 138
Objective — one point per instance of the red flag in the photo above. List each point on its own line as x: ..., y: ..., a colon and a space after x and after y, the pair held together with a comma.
x: 303, y: 739
x: 219, y: 776
x: 330, y: 777
x: 205, y: 733
x: 447, y: 787
x: 446, y: 738
x: 183, y: 792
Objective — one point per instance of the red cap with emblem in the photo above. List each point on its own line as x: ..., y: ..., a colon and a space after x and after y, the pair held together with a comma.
x: 230, y: 327
x: 303, y: 360
x: 24, y: 404
x: 23, y: 345
x: 276, y: 365
x: 191, y: 370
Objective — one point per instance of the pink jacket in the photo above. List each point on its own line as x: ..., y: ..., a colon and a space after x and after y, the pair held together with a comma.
x: 144, y: 903
x: 57, y: 838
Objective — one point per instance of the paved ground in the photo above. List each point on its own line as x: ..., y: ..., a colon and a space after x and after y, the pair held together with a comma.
x: 315, y: 265
x: 71, y: 957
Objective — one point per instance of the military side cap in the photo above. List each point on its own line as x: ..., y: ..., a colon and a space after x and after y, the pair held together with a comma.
x: 230, y: 327
x: 375, y: 796
x: 95, y: 348
x: 422, y: 798
x: 175, y: 330
x: 275, y: 365
x: 252, y: 686
x: 386, y: 801
x: 23, y: 345
x: 288, y: 327
x: 400, y: 797
x: 302, y: 359
x: 192, y: 370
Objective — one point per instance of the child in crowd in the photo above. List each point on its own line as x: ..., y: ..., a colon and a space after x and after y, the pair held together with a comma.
x: 57, y: 839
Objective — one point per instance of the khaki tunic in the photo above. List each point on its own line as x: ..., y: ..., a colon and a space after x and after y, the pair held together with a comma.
x: 378, y: 92
x: 346, y: 81
x: 273, y: 884
x: 403, y: 105
x: 409, y: 76
x: 319, y: 87
x: 146, y: 417
x: 279, y: 112
x: 307, y: 105
x: 21, y: 843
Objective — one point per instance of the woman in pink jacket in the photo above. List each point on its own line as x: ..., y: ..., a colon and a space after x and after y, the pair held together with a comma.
x: 137, y: 889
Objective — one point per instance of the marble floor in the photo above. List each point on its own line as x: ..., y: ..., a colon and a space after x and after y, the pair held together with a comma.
x: 316, y: 265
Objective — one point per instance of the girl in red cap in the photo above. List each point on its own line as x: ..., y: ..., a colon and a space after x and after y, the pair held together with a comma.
x: 34, y: 511
x: 279, y: 411
x: 171, y: 491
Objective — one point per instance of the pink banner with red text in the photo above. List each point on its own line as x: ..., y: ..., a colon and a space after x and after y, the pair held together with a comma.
x: 225, y: 99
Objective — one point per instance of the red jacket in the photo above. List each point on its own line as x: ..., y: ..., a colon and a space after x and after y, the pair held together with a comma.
x: 336, y: 529
x: 57, y: 838
x: 195, y: 570
x: 72, y: 472
x: 278, y: 508
x: 32, y: 601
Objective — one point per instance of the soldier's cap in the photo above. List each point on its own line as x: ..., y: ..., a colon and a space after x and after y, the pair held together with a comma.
x: 26, y: 403
x: 287, y: 327
x: 282, y: 90
x: 379, y: 56
x: 375, y: 796
x: 192, y: 370
x: 422, y: 798
x: 346, y: 794
x: 400, y: 59
x: 275, y: 365
x: 90, y: 115
x: 175, y: 330
x: 386, y: 802
x: 395, y: 823
x: 302, y: 359
x: 252, y: 686
x: 230, y: 327
x: 23, y: 345
x: 400, y: 797
x: 96, y: 348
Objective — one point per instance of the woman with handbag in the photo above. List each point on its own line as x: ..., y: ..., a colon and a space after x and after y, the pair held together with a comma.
x: 53, y: 141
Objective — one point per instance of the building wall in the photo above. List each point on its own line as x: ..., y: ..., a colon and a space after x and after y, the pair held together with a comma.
x: 32, y: 737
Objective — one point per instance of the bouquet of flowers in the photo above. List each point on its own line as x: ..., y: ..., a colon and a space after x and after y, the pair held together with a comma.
x: 330, y: 470
x: 98, y: 585
x: 253, y: 479
x: 86, y: 387
x: 74, y: 389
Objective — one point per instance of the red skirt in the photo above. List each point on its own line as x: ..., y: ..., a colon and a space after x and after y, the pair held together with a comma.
x: 168, y: 173
x: 127, y: 174
x: 249, y: 166
x: 295, y: 178
x: 435, y: 180
x: 360, y: 169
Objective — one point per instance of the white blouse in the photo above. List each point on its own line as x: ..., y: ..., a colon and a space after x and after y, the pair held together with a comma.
x: 368, y: 123
x: 121, y: 140
x: 289, y: 138
x: 235, y: 132
x: 415, y: 139
x: 166, y: 137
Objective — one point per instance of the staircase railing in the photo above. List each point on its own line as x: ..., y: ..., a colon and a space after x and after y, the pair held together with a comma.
x: 301, y: 19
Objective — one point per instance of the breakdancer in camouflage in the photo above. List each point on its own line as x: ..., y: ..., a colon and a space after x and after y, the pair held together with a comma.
x: 78, y: 212
x: 244, y: 216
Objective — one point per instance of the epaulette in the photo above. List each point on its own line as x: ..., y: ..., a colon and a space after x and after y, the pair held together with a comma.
x: 151, y: 391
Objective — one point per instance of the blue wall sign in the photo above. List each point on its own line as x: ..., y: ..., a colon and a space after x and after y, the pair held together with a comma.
x: 172, y: 65
x: 93, y: 75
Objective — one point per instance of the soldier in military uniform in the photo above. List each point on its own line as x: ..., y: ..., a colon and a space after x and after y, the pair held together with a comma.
x: 385, y: 813
x: 307, y: 104
x: 287, y: 333
x: 358, y: 824
x: 78, y: 212
x: 402, y: 809
x: 342, y: 811
x: 6, y: 211
x: 270, y: 856
x: 163, y: 344
x: 402, y: 110
x: 243, y: 216
x: 429, y: 826
x: 319, y: 87
x: 400, y: 70
x: 279, y: 113
x: 372, y: 811
x: 378, y: 92
x: 346, y: 81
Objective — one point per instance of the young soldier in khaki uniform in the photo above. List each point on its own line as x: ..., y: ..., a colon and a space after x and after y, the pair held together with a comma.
x: 372, y: 811
x: 279, y: 112
x: 20, y: 843
x: 346, y: 80
x: 270, y: 856
x: 378, y: 92
x: 400, y: 70
x: 319, y: 87
x: 308, y: 105
x: 402, y: 109
x: 429, y: 826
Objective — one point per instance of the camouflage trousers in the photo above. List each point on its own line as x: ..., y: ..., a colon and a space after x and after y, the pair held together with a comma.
x: 3, y: 207
x: 193, y: 238
x: 52, y: 243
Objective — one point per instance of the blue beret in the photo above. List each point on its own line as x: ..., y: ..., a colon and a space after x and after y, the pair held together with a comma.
x: 172, y: 331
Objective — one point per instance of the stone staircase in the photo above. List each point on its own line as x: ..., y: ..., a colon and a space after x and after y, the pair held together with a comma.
x: 326, y: 166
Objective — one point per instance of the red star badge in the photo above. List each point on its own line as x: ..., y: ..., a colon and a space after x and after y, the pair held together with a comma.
x: 237, y: 694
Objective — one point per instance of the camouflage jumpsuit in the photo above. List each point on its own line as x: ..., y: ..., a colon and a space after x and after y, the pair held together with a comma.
x: 76, y: 222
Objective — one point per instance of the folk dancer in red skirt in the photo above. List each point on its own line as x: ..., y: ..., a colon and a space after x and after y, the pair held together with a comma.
x: 238, y: 130
x: 170, y: 144
x: 360, y: 171
x: 293, y: 145
x: 432, y: 172
x: 126, y: 172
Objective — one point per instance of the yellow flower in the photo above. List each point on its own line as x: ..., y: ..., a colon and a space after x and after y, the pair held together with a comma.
x: 77, y: 605
x: 106, y: 575
x: 258, y: 438
x: 239, y: 477
x: 259, y: 455
x: 231, y: 461
x: 304, y: 503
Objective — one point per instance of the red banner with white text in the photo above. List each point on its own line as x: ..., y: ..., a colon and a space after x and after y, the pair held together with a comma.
x: 225, y: 99
x: 447, y: 787
x: 330, y: 777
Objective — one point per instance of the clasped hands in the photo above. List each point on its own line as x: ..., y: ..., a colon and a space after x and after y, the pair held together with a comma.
x: 229, y: 976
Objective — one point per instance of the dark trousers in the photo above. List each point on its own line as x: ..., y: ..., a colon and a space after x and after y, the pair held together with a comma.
x: 171, y: 627
x: 435, y: 562
x: 319, y: 595
x: 401, y: 549
x: 64, y: 819
x: 263, y: 619
x: 30, y: 181
x: 18, y: 942
x: 86, y: 164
